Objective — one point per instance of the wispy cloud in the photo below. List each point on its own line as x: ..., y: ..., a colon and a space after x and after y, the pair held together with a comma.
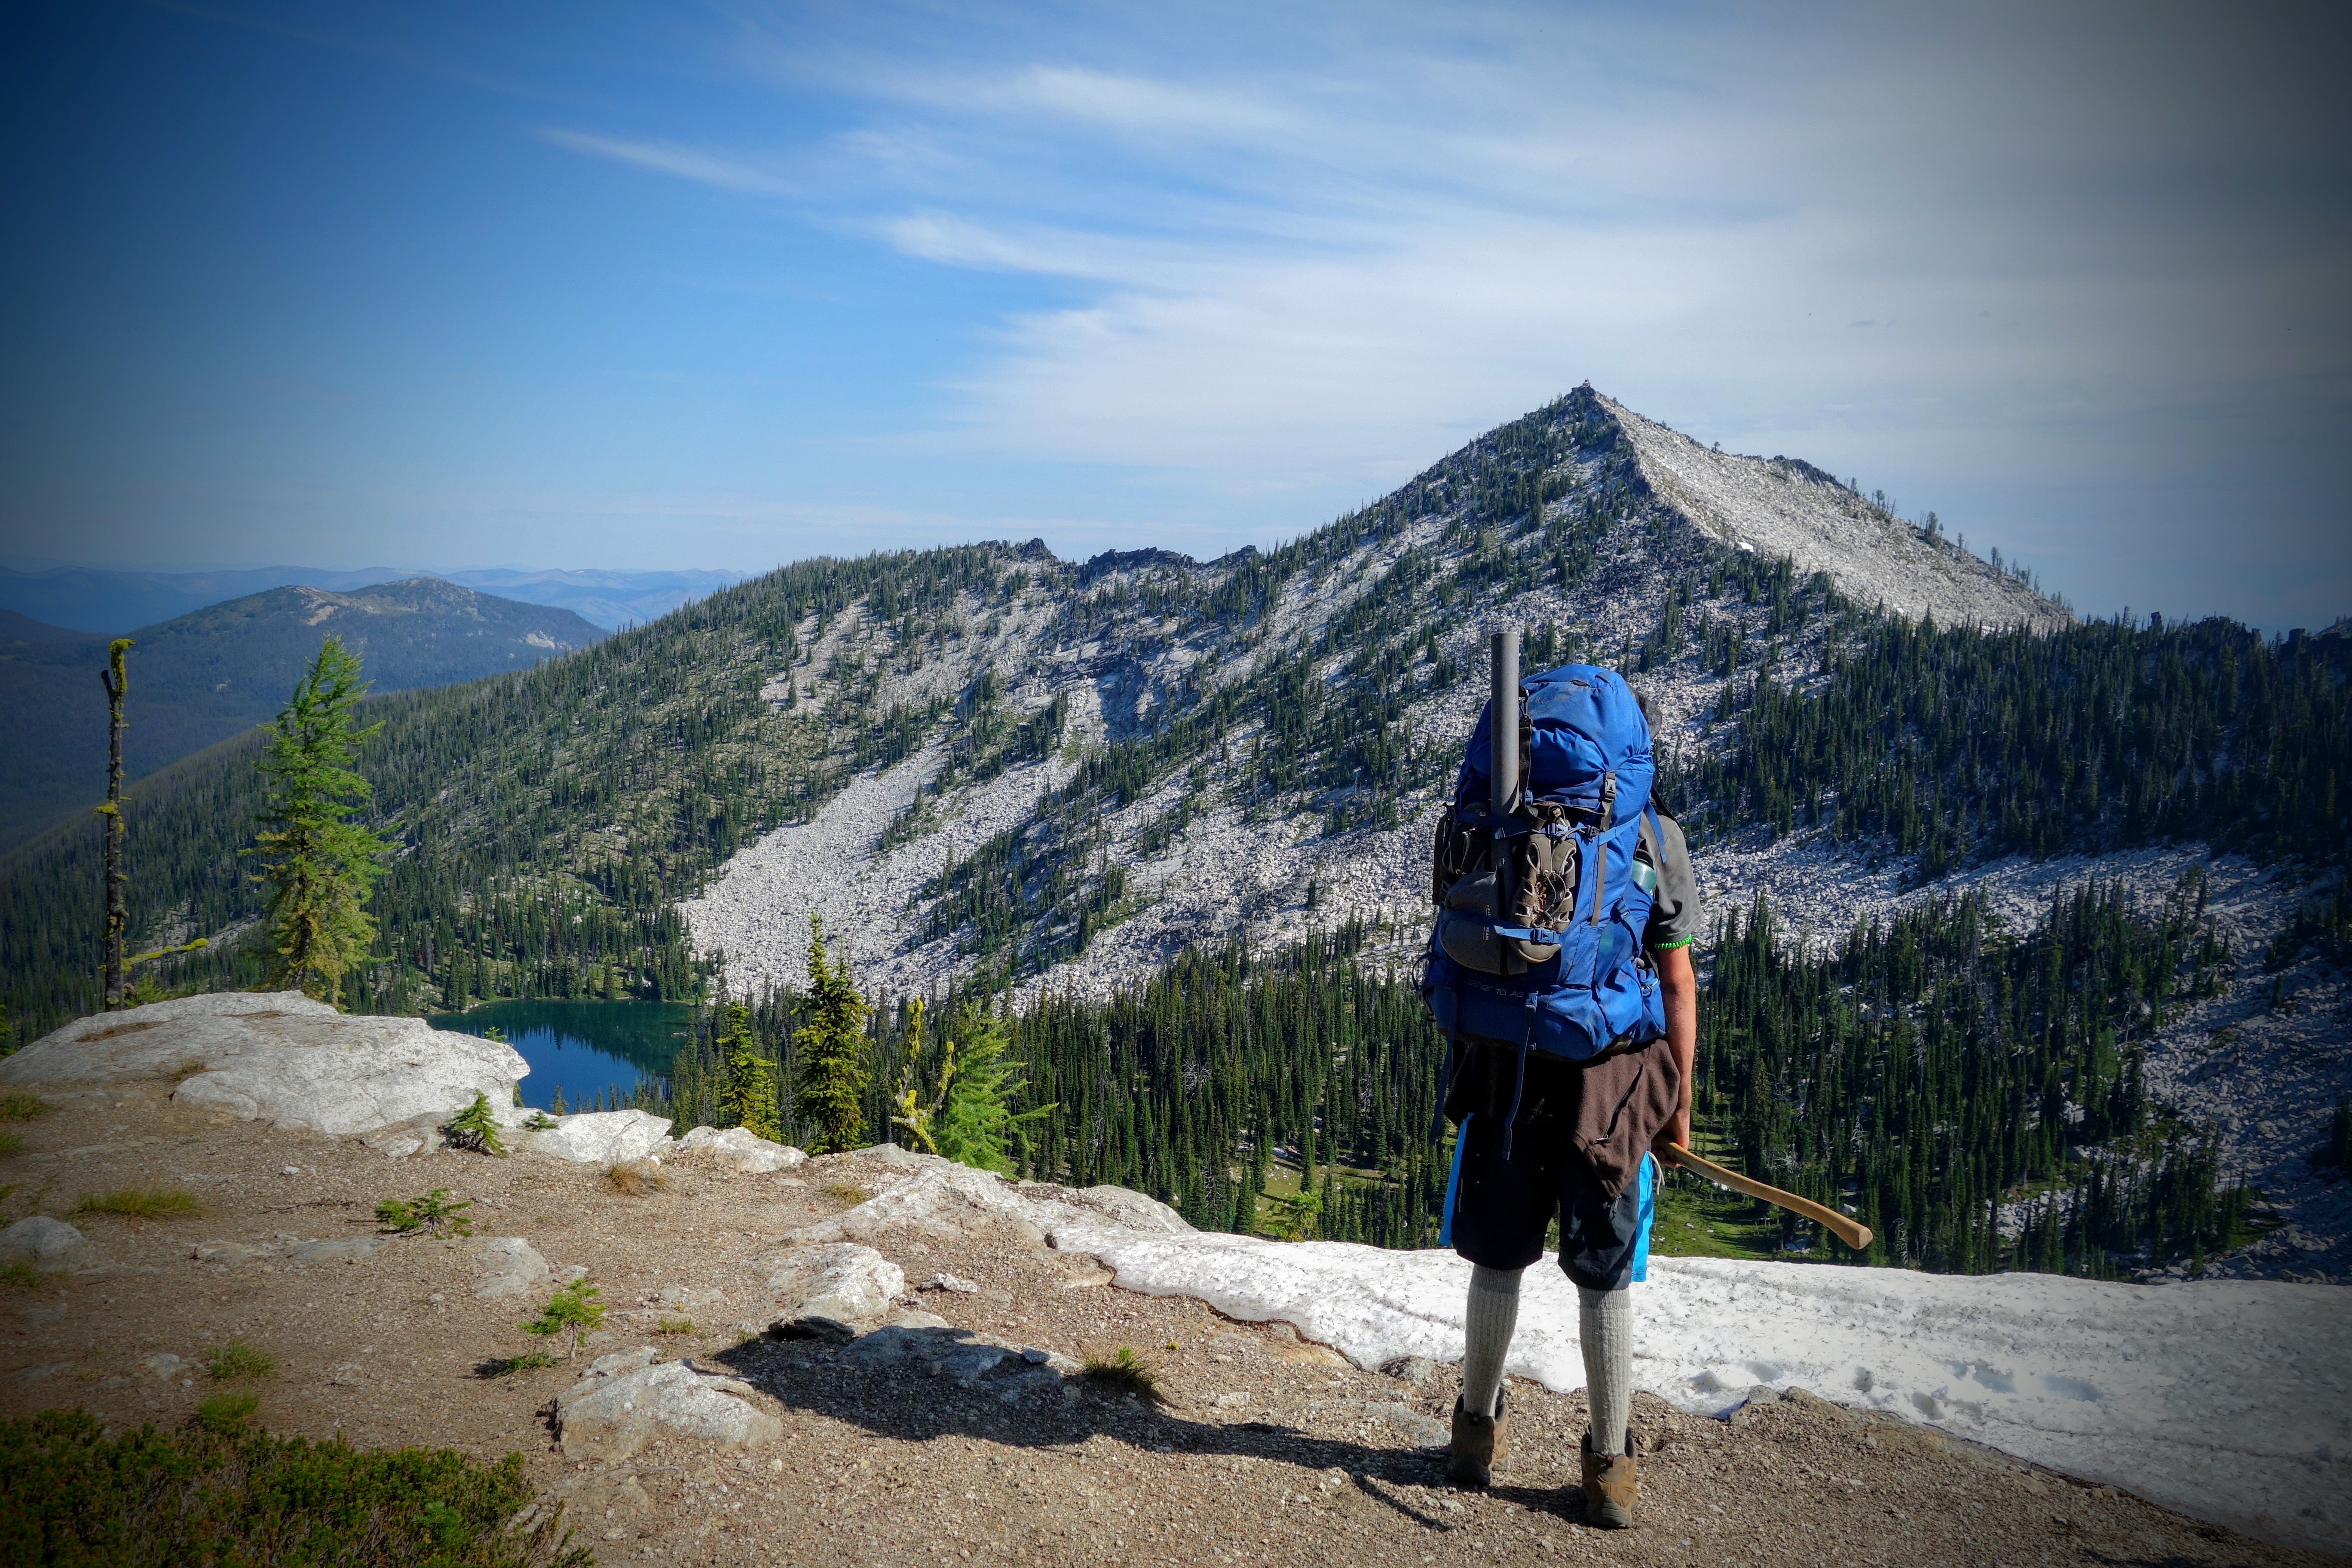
x: 671, y: 158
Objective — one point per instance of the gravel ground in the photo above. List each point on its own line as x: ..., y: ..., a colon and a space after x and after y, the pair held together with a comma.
x: 1266, y: 1449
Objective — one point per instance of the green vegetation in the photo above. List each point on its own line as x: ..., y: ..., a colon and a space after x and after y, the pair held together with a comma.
x: 750, y: 1099
x: 507, y: 1367
x: 833, y: 1067
x: 1937, y: 1067
x: 675, y: 1326
x: 431, y: 1213
x: 635, y: 1178
x: 219, y: 1495
x: 571, y: 1311
x: 476, y: 1127
x: 226, y: 1413
x: 117, y: 680
x: 1124, y: 1372
x: 141, y: 1203
x: 317, y: 863
x: 22, y: 1105
x: 969, y: 1116
x: 237, y: 1361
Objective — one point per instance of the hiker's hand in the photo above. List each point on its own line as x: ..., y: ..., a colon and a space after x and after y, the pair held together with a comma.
x: 1675, y: 1131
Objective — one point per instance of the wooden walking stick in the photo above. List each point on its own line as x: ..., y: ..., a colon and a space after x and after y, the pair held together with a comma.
x: 1852, y: 1232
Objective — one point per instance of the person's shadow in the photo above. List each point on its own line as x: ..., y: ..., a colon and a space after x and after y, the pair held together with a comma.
x: 916, y: 1384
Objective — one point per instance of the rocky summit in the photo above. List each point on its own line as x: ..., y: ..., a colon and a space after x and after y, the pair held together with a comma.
x: 881, y: 1357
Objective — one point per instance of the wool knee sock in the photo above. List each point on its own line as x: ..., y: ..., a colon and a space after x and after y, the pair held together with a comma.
x: 1604, y: 1324
x: 1494, y: 1313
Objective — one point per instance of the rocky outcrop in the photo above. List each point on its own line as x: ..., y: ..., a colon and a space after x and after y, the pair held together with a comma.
x: 511, y: 1267
x: 941, y: 1195
x: 37, y: 1238
x: 278, y: 1057
x: 741, y: 1149
x: 600, y: 1137
x: 842, y: 1281
x: 627, y: 1400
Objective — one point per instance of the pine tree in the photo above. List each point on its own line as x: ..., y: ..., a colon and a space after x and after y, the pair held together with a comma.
x: 750, y: 1096
x: 977, y: 1125
x: 833, y: 1053
x: 318, y: 864
x: 117, y: 682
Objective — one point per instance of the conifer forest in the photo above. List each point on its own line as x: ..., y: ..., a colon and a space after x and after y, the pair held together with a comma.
x: 1971, y: 1088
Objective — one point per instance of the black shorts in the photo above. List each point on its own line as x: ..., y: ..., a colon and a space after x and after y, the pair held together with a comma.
x: 1502, y: 1207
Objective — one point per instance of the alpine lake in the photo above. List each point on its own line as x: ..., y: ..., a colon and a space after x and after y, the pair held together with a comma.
x: 584, y: 1048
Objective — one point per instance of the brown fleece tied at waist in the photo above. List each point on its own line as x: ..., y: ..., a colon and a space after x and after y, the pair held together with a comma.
x: 1611, y: 1108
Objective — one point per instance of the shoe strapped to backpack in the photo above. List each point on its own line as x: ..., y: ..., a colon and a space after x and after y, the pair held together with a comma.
x: 1611, y: 1484
x: 1481, y: 1443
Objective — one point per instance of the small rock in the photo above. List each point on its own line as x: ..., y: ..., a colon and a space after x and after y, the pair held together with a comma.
x: 347, y: 1375
x: 513, y: 1266
x: 1230, y: 1400
x: 231, y: 1254
x: 913, y: 1320
x: 162, y: 1366
x: 335, y: 1249
x: 611, y: 1417
x: 840, y: 1280
x: 1035, y: 1356
x: 832, y: 1330
x: 1416, y: 1369
x: 39, y: 1238
x: 289, y: 1170
x: 954, y: 1283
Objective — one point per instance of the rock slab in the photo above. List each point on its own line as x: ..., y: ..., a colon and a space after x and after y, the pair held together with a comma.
x: 600, y: 1137
x: 840, y: 1280
x: 278, y: 1057
x: 742, y: 1149
x: 610, y: 1414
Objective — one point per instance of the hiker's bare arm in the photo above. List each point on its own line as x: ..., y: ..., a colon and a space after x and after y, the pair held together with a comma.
x: 1680, y: 984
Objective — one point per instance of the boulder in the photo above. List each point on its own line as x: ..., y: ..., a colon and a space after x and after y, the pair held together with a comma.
x: 840, y: 1281
x: 600, y: 1137
x: 742, y: 1149
x: 942, y: 1196
x: 511, y: 1267
x: 278, y: 1057
x: 611, y: 1414
x: 37, y: 1238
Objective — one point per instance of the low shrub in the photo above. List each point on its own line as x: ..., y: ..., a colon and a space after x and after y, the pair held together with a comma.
x: 207, y: 1498
x: 1124, y: 1370
x: 18, y: 1105
x: 234, y: 1361
x: 431, y: 1213
x: 507, y: 1367
x: 635, y: 1178
x: 475, y: 1128
x: 11, y: 1142
x: 141, y: 1203
x: 573, y: 1309
x: 845, y: 1195
x: 227, y: 1410
x: 675, y: 1326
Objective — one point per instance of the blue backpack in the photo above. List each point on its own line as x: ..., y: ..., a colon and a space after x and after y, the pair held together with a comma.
x: 1539, y: 949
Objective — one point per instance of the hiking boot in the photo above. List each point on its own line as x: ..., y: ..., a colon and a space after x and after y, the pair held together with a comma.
x: 1481, y: 1443
x: 1610, y: 1485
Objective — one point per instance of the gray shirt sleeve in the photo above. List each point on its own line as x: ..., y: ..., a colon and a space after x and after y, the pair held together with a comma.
x: 1675, y: 914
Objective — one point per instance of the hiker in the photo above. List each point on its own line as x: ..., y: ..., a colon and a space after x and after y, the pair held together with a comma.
x: 1572, y: 1046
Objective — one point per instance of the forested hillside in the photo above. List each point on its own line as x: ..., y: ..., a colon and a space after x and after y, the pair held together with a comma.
x: 986, y: 767
x: 206, y: 676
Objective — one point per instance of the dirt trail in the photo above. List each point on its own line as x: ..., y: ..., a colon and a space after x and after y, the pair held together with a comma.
x: 1266, y: 1449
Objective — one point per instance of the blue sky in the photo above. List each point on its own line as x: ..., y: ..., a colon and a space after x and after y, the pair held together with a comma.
x: 608, y: 285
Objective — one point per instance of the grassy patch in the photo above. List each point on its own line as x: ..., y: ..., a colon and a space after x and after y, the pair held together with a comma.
x: 142, y: 1203
x: 675, y: 1326
x: 11, y: 1142
x: 845, y: 1195
x: 1698, y: 1219
x: 70, y: 1494
x: 235, y: 1362
x: 635, y: 1178
x: 1124, y: 1372
x: 507, y: 1367
x: 16, y: 1105
x: 22, y: 1274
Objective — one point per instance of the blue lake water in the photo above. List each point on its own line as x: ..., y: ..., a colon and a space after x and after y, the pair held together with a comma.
x: 584, y: 1048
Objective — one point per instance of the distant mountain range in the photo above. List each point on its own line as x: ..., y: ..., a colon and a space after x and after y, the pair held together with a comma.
x: 201, y: 677
x: 95, y: 599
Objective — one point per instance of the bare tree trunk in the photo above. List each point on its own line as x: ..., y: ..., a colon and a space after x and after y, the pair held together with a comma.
x: 117, y: 919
